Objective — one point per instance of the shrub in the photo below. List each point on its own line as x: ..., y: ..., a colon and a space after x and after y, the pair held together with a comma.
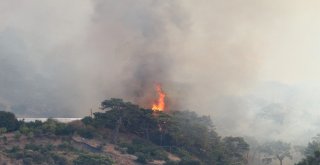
x: 60, y: 160
x: 14, y: 149
x: 87, y: 120
x: 189, y: 162
x: 15, y: 152
x: 92, y: 160
x: 86, y: 133
x: 142, y: 158
x: 27, y: 161
x: 64, y: 129
x: 149, y: 150
x: 170, y: 162
x: 30, y: 135
x: 49, y: 147
x: 32, y: 147
x: 50, y: 126
x: 159, y: 154
x: 5, y: 139
x: 17, y: 135
x: 36, y: 157
x: 3, y: 130
x: 66, y: 146
x: 24, y: 129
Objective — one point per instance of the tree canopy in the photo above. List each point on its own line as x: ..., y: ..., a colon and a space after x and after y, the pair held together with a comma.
x: 8, y: 120
x: 277, y: 150
x: 182, y: 132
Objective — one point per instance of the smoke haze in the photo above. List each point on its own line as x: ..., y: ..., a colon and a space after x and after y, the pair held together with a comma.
x: 240, y: 62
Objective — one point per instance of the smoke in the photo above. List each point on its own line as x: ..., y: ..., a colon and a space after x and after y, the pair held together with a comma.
x: 140, y: 33
x: 63, y: 58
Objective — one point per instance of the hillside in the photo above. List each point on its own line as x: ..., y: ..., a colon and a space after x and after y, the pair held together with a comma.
x: 122, y: 134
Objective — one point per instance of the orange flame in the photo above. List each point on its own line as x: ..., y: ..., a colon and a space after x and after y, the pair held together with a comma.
x: 159, y: 104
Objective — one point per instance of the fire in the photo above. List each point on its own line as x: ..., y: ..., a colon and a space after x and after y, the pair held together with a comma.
x: 159, y: 104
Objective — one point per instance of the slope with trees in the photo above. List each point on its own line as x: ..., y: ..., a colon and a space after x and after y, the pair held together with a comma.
x: 142, y: 133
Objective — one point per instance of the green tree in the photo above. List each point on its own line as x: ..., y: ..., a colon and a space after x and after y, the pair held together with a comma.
x: 50, y: 126
x: 193, y: 133
x: 87, y: 120
x: 116, y: 105
x: 313, y: 146
x: 8, y: 120
x: 311, y: 160
x: 312, y: 152
x: 236, y: 150
x: 116, y: 115
x: 184, y: 133
x: 277, y: 150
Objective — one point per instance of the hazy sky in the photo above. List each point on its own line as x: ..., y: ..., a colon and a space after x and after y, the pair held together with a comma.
x: 249, y: 64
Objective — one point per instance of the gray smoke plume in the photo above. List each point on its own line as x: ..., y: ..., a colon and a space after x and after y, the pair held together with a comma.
x: 141, y: 32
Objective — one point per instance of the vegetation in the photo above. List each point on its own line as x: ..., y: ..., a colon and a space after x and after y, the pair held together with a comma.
x: 145, y: 150
x: 311, y: 159
x: 149, y: 135
x: 277, y: 150
x: 92, y: 160
x: 313, y: 146
x: 8, y: 121
x: 235, y: 148
x: 184, y: 133
x: 312, y: 152
x: 37, y: 154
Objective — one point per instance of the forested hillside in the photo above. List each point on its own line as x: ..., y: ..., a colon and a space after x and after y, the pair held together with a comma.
x: 124, y: 133
x: 121, y: 129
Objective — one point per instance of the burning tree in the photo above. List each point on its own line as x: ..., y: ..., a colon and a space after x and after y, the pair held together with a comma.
x: 159, y: 104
